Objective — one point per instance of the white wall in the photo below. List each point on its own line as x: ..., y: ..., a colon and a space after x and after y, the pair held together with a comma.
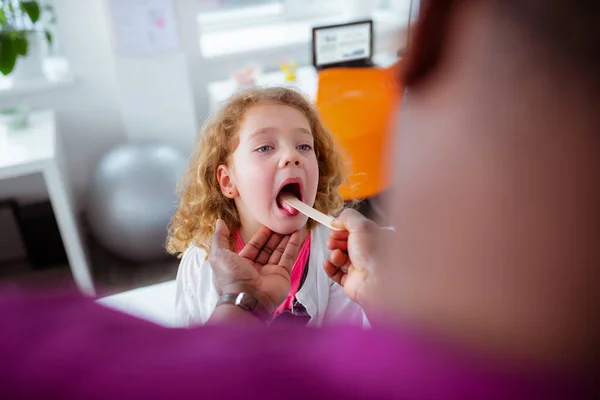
x: 88, y: 113
x: 156, y: 92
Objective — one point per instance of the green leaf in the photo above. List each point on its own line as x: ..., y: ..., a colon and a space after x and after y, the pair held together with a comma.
x: 8, y: 54
x: 49, y: 37
x: 3, y: 21
x: 21, y: 44
x: 14, y: 35
x: 32, y: 9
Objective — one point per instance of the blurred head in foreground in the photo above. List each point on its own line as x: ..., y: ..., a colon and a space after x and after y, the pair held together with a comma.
x: 497, y: 186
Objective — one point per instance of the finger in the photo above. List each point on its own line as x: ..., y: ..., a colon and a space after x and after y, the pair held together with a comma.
x: 291, y: 252
x: 339, y: 235
x: 252, y: 249
x: 338, y: 258
x: 333, y: 272
x: 278, y: 252
x: 333, y: 244
x: 220, y: 238
x: 353, y: 221
x: 268, y: 249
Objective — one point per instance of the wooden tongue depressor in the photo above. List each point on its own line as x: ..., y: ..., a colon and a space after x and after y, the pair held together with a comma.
x: 310, y: 212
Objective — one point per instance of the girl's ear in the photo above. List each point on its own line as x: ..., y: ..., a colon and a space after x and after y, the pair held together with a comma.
x: 224, y: 178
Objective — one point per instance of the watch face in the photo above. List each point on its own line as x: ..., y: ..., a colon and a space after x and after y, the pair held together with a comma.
x: 247, y: 301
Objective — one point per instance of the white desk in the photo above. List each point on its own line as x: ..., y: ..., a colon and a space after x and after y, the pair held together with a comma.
x: 154, y: 303
x: 306, y: 81
x: 37, y: 149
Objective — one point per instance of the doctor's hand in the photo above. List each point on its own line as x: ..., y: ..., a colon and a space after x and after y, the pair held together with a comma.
x: 262, y: 268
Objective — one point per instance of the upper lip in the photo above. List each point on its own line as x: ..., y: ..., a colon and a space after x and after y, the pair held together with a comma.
x: 292, y: 180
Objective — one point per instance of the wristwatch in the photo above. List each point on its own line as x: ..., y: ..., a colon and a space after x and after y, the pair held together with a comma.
x: 248, y: 302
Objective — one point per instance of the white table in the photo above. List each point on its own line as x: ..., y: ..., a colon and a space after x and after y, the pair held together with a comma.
x: 307, y: 81
x: 154, y: 303
x: 36, y: 149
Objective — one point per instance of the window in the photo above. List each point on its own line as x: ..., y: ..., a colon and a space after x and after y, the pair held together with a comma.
x: 208, y: 6
x: 229, y: 27
x: 225, y: 14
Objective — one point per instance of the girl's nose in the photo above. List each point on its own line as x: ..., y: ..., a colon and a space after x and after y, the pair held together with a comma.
x: 290, y: 158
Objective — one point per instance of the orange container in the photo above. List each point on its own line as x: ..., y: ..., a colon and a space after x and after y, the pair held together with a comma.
x: 359, y: 107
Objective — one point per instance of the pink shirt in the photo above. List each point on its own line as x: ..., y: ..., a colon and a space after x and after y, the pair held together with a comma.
x: 297, y: 271
x: 67, y: 347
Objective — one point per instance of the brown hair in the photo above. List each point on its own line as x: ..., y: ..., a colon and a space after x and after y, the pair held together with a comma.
x: 566, y: 29
x: 201, y: 200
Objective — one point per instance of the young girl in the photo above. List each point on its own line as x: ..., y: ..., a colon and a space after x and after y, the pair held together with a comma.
x: 262, y: 143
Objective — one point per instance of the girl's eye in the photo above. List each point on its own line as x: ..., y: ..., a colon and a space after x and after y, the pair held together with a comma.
x: 305, y: 147
x: 264, y: 149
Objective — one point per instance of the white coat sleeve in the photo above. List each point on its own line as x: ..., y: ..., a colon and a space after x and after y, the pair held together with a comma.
x: 196, y: 295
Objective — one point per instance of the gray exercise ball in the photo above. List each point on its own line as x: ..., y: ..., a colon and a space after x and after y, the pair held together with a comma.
x: 132, y: 198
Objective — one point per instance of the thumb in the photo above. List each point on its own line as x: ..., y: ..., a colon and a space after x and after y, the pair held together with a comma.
x: 220, y: 239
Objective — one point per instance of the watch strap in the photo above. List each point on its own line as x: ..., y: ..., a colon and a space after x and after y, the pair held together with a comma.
x: 248, y: 302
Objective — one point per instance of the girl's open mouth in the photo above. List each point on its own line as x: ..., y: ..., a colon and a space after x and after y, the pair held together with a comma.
x: 294, y: 188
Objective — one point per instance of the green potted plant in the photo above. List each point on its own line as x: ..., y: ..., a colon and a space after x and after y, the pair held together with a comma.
x: 21, y: 38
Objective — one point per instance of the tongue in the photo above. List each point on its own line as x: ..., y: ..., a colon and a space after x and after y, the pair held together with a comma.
x: 291, y: 210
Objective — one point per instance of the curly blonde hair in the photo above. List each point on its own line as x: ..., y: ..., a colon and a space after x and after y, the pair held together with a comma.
x: 201, y: 200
